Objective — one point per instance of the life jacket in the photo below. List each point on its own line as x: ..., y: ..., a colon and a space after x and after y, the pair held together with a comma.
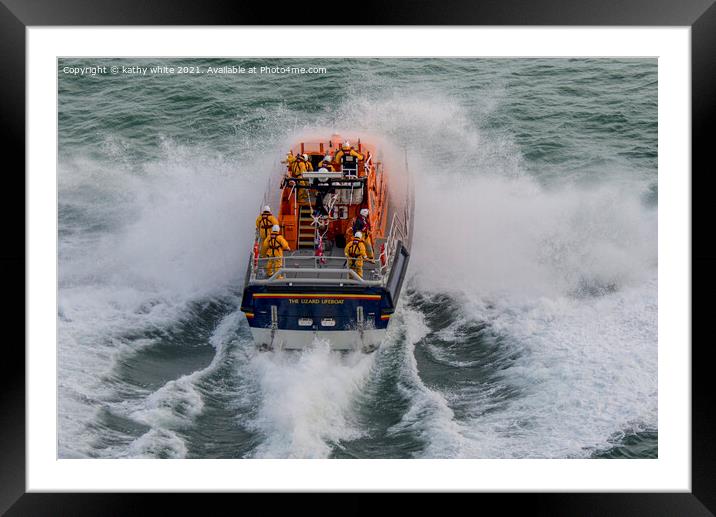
x: 349, y: 163
x: 273, y: 245
x: 265, y: 224
x: 354, y: 249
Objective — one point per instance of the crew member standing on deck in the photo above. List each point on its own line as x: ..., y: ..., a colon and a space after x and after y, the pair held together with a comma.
x: 327, y: 163
x: 304, y: 165
x: 307, y: 163
x: 355, y: 251
x: 348, y: 159
x: 292, y: 163
x: 273, y: 248
x: 264, y: 222
x: 297, y: 165
x: 362, y: 224
x: 347, y: 150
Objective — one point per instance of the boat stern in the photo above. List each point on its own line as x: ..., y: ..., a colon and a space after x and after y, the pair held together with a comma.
x: 293, y: 319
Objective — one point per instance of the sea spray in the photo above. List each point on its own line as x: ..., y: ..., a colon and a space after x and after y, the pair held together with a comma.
x: 307, y: 400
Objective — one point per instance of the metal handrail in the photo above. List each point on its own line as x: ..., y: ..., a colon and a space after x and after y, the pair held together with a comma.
x: 306, y: 258
x: 316, y: 266
x: 312, y: 281
x: 401, y: 228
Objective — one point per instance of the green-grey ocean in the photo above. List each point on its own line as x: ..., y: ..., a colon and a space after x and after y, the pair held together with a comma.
x: 528, y: 327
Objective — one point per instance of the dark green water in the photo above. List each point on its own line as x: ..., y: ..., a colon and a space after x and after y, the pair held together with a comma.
x: 529, y: 326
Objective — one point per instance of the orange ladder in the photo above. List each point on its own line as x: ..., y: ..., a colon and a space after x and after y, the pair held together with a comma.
x: 306, y: 232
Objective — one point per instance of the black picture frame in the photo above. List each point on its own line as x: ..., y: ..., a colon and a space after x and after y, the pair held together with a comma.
x: 699, y: 15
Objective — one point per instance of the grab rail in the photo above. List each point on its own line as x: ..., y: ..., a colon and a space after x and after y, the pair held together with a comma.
x: 312, y: 268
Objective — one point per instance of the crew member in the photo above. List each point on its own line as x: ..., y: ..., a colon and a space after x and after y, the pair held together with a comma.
x: 362, y: 224
x: 307, y: 161
x: 355, y: 251
x: 264, y: 222
x: 292, y: 162
x: 319, y: 210
x: 273, y: 248
x: 327, y: 164
x: 297, y: 165
x: 345, y: 151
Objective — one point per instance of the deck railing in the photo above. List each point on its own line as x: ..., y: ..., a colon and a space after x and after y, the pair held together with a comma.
x: 308, y: 269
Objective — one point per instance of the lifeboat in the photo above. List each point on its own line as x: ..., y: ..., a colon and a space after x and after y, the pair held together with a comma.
x: 314, y: 290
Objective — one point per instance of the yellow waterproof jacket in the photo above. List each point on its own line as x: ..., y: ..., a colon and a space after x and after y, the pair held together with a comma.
x: 298, y: 166
x: 274, y: 245
x: 292, y: 164
x: 355, y: 249
x: 350, y: 151
x: 328, y: 166
x: 264, y: 222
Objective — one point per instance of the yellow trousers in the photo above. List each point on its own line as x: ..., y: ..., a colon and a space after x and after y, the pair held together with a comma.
x: 368, y: 241
x: 273, y: 265
x: 356, y: 264
x: 302, y: 195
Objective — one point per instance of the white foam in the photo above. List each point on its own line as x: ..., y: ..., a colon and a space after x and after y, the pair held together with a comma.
x: 428, y: 416
x: 307, y: 400
x: 585, y: 371
x: 140, y: 245
x: 569, y: 277
x: 92, y: 322
x: 175, y: 405
x: 167, y: 411
x: 156, y: 443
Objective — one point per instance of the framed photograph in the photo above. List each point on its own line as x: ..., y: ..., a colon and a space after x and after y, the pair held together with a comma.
x: 428, y: 258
